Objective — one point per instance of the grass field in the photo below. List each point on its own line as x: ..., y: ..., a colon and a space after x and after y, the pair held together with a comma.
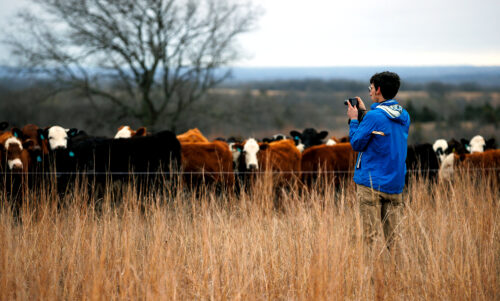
x: 181, y: 245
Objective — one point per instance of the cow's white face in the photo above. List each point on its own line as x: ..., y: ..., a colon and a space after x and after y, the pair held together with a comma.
x: 124, y: 132
x: 58, y: 137
x: 251, y: 148
x: 439, y: 147
x: 446, y: 169
x: 13, y: 148
x: 300, y: 147
x: 477, y: 144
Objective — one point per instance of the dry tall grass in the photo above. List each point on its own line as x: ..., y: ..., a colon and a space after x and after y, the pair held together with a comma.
x: 183, y: 245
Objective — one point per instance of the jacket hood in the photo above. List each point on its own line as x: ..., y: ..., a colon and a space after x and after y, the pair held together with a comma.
x: 393, y: 111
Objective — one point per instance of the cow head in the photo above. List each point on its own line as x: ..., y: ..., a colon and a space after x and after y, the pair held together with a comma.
x: 457, y: 147
x: 12, y: 149
x: 477, y: 144
x: 125, y: 131
x: 58, y: 136
x: 248, y: 157
x: 34, y: 142
x: 439, y: 147
x: 309, y: 137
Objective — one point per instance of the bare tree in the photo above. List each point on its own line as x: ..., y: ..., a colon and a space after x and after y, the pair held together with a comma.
x: 151, y: 58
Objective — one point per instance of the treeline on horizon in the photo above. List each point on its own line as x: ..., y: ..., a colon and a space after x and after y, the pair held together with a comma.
x: 333, y: 85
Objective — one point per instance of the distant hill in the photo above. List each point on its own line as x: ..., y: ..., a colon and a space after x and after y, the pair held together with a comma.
x: 485, y: 76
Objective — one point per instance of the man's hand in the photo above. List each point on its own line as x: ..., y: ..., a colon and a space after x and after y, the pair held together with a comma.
x: 361, y: 104
x: 352, y: 112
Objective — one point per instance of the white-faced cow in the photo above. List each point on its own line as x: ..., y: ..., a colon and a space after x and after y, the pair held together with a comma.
x: 281, y: 157
x: 440, y: 146
x: 57, y: 136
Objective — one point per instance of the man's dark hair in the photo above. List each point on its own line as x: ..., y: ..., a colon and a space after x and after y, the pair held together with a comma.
x: 388, y: 82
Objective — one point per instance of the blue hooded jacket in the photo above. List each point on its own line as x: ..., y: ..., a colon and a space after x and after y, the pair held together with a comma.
x: 381, y: 140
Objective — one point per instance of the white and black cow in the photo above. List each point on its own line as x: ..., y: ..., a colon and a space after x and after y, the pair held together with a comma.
x: 145, y: 157
x: 309, y: 137
x: 440, y: 146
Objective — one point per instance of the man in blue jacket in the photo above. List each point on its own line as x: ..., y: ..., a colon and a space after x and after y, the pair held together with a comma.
x: 381, y: 140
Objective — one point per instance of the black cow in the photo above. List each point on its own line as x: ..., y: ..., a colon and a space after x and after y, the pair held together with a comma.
x: 147, y: 158
x: 422, y: 161
x: 309, y: 137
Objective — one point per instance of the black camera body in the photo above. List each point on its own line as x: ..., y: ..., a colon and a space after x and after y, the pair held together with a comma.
x: 353, y: 101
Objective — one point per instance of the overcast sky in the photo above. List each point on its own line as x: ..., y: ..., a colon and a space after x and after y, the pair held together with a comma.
x: 365, y: 33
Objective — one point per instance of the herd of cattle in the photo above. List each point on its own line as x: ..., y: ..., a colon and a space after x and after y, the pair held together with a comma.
x: 32, y: 152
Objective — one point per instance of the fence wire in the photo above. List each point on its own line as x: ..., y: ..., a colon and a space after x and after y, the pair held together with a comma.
x: 182, y: 173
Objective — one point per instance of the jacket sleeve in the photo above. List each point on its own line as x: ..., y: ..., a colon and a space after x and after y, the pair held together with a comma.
x: 360, y: 133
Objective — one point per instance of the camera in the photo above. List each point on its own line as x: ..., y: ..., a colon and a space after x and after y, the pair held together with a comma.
x: 353, y: 101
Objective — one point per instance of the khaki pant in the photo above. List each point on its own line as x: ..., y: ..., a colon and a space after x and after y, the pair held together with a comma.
x: 378, y: 211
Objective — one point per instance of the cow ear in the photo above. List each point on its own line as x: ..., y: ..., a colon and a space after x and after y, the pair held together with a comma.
x: 266, y: 140
x: 17, y: 133
x: 140, y: 132
x: 72, y: 132
x: 237, y: 147
x: 42, y: 134
x: 322, y: 135
x: 263, y: 146
x: 296, y: 135
x: 491, y: 144
x: 3, y: 125
x: 29, y: 144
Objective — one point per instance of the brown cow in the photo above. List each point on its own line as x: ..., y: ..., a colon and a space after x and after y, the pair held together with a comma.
x: 334, y: 160
x: 486, y: 163
x: 33, y: 132
x: 280, y: 156
x: 209, y: 161
x: 191, y: 136
x: 125, y: 131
